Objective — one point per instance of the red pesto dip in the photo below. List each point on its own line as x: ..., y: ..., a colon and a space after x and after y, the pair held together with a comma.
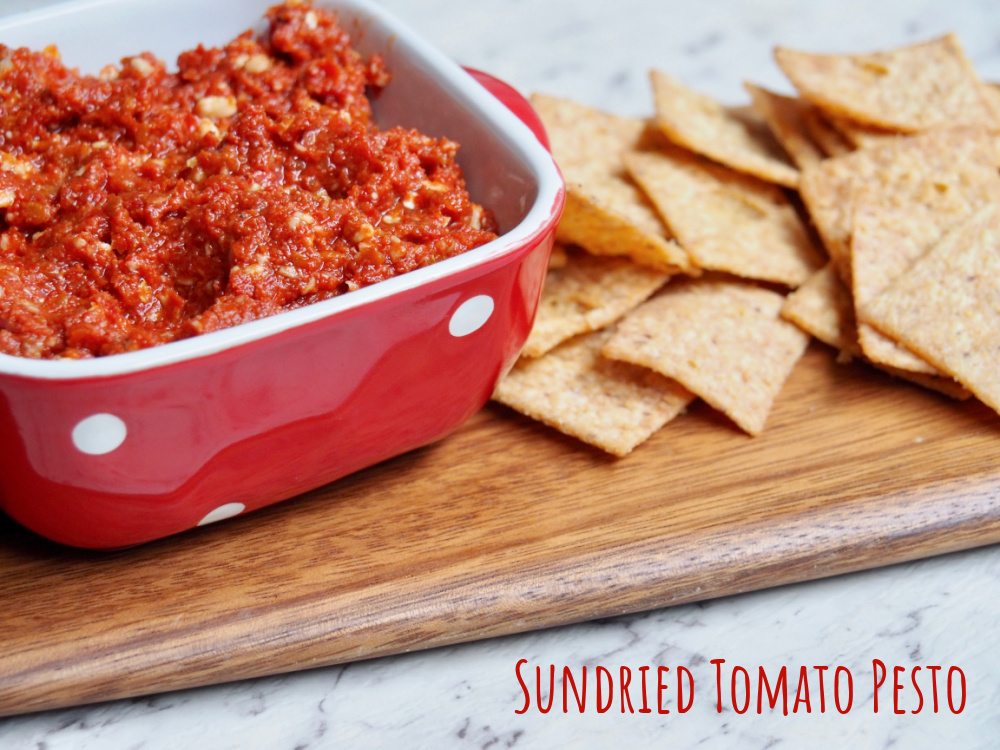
x: 142, y: 206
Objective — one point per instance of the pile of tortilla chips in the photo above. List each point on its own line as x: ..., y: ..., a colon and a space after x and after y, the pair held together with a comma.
x: 703, y: 246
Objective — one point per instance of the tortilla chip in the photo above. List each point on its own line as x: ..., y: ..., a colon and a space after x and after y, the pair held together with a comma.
x: 933, y: 183
x: 822, y: 131
x: 612, y: 405
x: 727, y: 221
x: 911, y: 89
x: 587, y: 294
x: 824, y: 308
x: 730, y: 136
x: 880, y: 250
x: 784, y: 116
x: 721, y: 340
x: 946, y: 306
x: 605, y: 212
x: 873, y: 230
x: 904, y: 170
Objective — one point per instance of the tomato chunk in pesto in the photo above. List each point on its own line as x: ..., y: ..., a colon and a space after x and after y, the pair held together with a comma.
x: 145, y: 205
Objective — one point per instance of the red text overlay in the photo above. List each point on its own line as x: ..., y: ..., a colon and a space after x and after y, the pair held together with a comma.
x: 788, y: 690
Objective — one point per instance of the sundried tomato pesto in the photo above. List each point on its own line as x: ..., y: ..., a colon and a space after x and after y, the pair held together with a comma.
x: 141, y: 206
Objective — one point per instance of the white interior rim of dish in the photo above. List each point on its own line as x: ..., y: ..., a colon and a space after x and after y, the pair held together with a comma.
x: 521, y: 141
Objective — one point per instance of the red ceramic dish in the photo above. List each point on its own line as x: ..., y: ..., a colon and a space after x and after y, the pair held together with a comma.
x: 115, y: 451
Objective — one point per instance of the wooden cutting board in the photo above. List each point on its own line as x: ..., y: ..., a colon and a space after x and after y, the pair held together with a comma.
x: 507, y: 526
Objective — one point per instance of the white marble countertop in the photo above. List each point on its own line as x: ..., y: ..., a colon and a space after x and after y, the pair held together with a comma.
x: 939, y: 612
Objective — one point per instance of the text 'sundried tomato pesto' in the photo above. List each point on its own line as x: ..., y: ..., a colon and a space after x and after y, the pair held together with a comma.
x: 142, y: 206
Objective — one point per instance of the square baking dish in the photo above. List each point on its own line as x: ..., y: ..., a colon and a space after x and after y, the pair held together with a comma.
x: 115, y: 451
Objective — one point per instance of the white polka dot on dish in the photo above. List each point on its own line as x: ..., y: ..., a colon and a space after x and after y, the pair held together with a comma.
x: 471, y: 315
x: 99, y: 434
x: 222, y: 513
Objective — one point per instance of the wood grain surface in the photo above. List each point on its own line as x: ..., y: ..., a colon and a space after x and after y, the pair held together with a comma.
x: 507, y: 526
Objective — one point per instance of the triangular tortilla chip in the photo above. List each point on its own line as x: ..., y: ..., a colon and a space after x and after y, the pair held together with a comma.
x: 946, y: 306
x: 587, y: 293
x: 725, y: 220
x: 881, y: 249
x: 612, y: 405
x: 605, y: 212
x: 823, y: 307
x: 961, y: 158
x: 911, y: 89
x: 730, y: 136
x: 931, y: 183
x: 723, y: 341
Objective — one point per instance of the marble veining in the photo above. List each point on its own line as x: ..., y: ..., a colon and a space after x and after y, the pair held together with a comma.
x: 938, y: 612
